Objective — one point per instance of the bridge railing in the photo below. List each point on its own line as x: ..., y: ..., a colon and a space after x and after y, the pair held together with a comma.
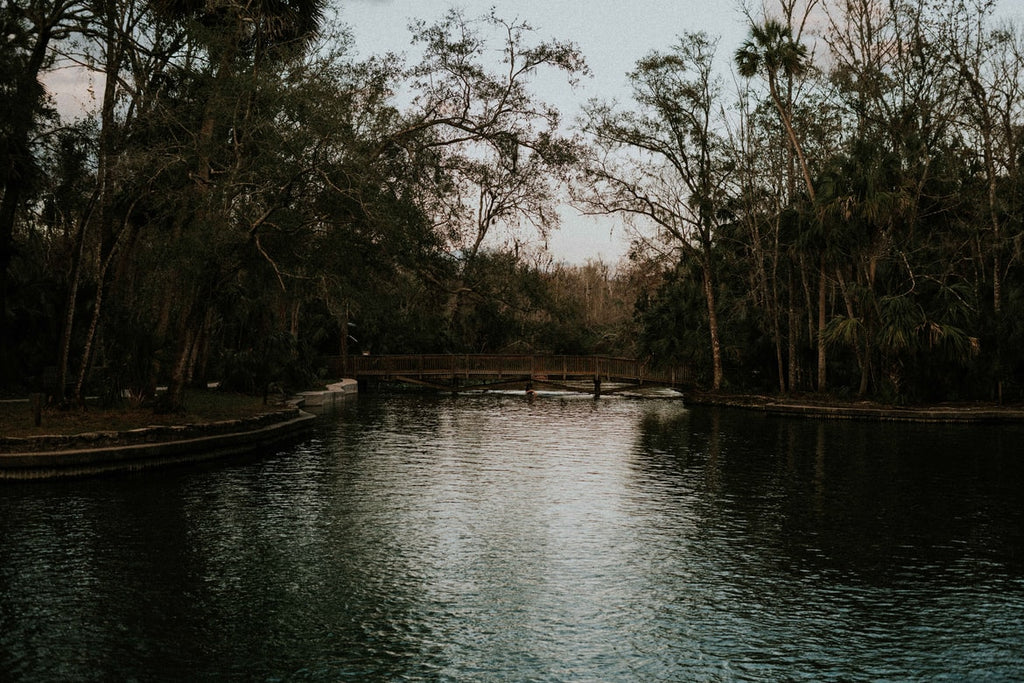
x: 506, y: 365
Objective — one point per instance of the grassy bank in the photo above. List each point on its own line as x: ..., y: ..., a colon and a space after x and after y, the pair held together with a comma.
x: 201, y: 407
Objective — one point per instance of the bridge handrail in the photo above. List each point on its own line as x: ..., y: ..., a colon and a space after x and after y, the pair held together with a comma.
x: 533, y: 365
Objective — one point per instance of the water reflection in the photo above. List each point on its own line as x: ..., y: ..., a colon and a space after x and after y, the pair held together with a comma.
x: 859, y: 550
x: 496, y: 538
x: 861, y: 494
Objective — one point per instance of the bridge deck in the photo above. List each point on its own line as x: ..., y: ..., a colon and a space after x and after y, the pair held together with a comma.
x: 467, y: 372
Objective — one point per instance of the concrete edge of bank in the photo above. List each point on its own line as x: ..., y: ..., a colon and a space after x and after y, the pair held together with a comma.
x: 965, y: 414
x: 147, y: 447
x: 328, y: 397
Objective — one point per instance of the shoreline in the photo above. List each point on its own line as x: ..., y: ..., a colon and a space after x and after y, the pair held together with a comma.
x: 816, y: 408
x: 155, y: 448
x: 93, y: 453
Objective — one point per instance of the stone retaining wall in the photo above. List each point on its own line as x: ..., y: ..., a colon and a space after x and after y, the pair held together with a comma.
x: 88, y: 454
x: 951, y: 414
x: 47, y: 457
x: 151, y: 434
x: 329, y: 398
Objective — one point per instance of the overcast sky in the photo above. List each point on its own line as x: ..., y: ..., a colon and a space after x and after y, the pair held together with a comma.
x: 612, y: 35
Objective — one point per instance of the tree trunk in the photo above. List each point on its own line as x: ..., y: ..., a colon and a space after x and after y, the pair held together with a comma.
x: 859, y: 346
x: 64, y: 358
x: 87, y: 350
x: 997, y: 266
x: 791, y: 338
x: 780, y: 360
x: 822, y: 291
x: 716, y: 346
x: 293, y: 323
x: 174, y: 400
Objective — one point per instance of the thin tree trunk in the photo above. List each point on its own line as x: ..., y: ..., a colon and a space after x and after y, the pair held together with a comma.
x: 997, y: 287
x: 776, y: 314
x: 107, y: 150
x: 203, y: 351
x: 90, y: 336
x: 72, y: 303
x: 780, y: 360
x: 859, y: 347
x: 293, y: 326
x: 162, y: 329
x: 793, y: 331
x: 343, y: 346
x: 174, y: 399
x: 787, y: 123
x: 69, y: 322
x: 716, y: 346
x: 822, y: 291
x: 808, y: 305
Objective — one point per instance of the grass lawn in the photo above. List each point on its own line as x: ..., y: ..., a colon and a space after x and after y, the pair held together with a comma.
x: 16, y: 418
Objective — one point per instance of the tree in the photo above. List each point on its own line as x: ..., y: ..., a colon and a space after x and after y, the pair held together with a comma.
x: 496, y: 152
x: 773, y: 51
x: 763, y: 192
x: 28, y: 28
x: 988, y: 62
x: 246, y: 44
x: 667, y: 161
x: 891, y: 189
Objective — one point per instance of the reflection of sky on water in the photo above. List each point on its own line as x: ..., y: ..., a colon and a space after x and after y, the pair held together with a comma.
x: 522, y: 535
x: 495, y: 537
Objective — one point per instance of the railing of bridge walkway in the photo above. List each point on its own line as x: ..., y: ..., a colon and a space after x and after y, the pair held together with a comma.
x: 538, y: 366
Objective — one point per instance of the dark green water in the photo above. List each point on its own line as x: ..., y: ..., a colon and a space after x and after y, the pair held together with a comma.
x: 493, y: 538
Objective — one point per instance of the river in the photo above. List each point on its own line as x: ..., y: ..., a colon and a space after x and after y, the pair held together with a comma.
x: 497, y: 538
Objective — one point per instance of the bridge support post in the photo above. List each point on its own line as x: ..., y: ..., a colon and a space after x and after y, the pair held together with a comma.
x: 597, y: 387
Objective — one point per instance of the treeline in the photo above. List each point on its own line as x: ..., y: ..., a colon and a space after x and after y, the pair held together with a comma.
x: 247, y: 197
x: 845, y: 217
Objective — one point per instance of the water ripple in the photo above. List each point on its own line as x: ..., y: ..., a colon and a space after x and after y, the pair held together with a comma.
x: 560, y: 539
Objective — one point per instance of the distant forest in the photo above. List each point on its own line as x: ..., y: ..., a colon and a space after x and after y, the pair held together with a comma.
x: 833, y: 206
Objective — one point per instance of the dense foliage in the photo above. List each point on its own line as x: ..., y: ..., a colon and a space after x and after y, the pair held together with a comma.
x: 247, y: 197
x: 850, y: 223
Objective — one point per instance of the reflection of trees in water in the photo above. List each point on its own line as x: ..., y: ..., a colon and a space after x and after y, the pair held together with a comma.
x: 886, y: 497
x: 875, y: 497
x: 664, y: 431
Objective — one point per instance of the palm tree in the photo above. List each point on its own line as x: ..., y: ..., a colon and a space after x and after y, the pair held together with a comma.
x: 772, y: 50
x: 264, y: 23
x: 257, y: 29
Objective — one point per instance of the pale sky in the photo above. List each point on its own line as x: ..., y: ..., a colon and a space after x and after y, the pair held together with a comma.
x: 611, y: 34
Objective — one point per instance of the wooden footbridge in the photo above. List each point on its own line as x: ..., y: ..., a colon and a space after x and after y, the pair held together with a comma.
x: 481, y: 372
